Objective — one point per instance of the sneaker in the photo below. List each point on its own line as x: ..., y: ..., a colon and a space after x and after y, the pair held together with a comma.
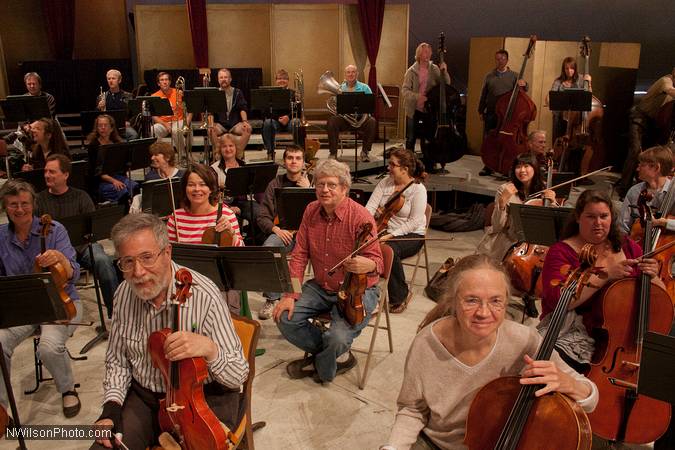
x: 71, y: 403
x: 364, y: 157
x: 266, y: 311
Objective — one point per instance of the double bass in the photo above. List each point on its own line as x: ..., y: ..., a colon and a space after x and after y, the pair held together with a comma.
x: 443, y: 143
x: 184, y: 412
x: 514, y: 111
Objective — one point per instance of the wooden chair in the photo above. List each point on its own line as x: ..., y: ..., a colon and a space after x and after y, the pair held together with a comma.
x: 382, y: 307
x: 417, y: 265
x: 248, y: 331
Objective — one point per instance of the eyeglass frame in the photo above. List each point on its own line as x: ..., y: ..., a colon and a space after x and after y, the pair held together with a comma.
x: 320, y: 186
x: 480, y: 304
x: 134, y: 259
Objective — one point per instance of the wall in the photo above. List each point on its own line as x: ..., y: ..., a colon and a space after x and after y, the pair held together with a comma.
x: 100, y: 29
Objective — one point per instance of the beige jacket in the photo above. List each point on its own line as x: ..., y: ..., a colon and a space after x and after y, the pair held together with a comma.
x: 411, y: 85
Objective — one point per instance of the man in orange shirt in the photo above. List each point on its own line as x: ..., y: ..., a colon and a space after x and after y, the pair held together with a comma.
x: 164, y: 126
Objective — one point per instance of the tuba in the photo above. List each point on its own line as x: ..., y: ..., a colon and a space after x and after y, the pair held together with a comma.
x: 328, y: 85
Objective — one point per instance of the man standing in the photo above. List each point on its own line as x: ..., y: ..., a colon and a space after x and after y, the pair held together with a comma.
x: 367, y: 131
x: 33, y: 83
x: 116, y: 98
x: 326, y: 236
x: 132, y: 386
x: 294, y: 162
x: 273, y: 125
x: 498, y: 82
x: 235, y: 119
x: 60, y: 200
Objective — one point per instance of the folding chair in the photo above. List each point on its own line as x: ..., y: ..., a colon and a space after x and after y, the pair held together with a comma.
x: 427, y: 214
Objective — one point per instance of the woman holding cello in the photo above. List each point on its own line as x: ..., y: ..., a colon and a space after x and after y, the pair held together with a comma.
x: 569, y: 79
x: 27, y: 246
x: 526, y: 179
x: 398, y: 204
x: 464, y: 343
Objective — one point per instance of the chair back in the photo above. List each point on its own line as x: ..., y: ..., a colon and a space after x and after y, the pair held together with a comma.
x: 248, y: 331
x: 388, y: 257
x: 427, y: 214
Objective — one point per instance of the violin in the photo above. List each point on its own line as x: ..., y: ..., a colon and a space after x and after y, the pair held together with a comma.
x: 507, y: 415
x: 391, y: 207
x: 183, y: 412
x: 515, y: 111
x: 58, y: 272
x: 350, y: 294
x: 224, y: 238
x: 626, y: 310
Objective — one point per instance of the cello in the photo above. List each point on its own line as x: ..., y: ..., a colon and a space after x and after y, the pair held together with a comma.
x: 184, y: 412
x: 505, y: 415
x: 627, y: 309
x: 443, y: 143
x: 514, y: 111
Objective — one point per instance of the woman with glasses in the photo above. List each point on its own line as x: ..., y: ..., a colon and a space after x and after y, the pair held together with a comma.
x: 409, y: 222
x: 20, y: 253
x: 463, y: 344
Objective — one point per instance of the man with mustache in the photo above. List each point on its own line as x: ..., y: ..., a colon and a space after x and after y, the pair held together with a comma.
x: 132, y: 386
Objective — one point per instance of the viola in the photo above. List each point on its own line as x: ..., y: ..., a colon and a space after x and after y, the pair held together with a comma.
x: 350, y: 294
x: 58, y: 272
x: 505, y: 415
x: 514, y: 112
x: 391, y: 207
x: 183, y: 412
x: 220, y: 238
x: 626, y: 310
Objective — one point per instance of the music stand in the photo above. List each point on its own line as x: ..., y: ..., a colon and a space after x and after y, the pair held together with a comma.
x: 271, y: 101
x: 35, y: 177
x: 537, y: 224
x: 291, y: 204
x: 202, y: 100
x: 385, y: 100
x: 85, y: 229
x: 156, y: 197
x: 570, y: 100
x: 158, y: 106
x: 249, y: 180
x: 657, y: 370
x: 355, y: 103
x: 26, y: 300
x: 126, y: 156
x: 25, y: 108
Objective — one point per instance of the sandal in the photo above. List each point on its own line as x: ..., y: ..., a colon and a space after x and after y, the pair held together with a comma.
x: 399, y: 308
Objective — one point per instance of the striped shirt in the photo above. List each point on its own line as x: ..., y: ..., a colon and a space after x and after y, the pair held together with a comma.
x: 325, y: 241
x: 134, y: 320
x: 191, y: 226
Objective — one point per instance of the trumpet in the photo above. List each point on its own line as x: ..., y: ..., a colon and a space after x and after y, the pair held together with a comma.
x: 101, y: 99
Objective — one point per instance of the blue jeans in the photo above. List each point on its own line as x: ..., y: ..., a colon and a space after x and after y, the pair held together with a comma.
x: 52, y: 351
x: 327, y: 346
x: 105, y: 272
x: 270, y: 128
x: 107, y: 192
x: 275, y: 241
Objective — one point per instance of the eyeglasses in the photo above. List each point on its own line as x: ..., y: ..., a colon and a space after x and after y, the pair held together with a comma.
x: 472, y: 304
x: 330, y: 186
x: 146, y: 260
x: 17, y: 205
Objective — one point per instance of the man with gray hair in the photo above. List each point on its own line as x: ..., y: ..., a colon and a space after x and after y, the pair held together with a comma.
x: 116, y: 98
x: 326, y: 236
x: 132, y: 386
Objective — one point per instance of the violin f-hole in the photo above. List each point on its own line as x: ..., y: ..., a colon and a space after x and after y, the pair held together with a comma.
x: 615, y: 356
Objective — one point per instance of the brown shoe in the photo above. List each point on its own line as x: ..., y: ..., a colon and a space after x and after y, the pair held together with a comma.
x: 296, y: 369
x: 398, y: 309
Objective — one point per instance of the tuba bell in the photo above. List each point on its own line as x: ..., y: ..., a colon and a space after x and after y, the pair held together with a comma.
x: 329, y: 85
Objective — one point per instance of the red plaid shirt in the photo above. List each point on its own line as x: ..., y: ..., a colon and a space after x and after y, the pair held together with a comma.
x: 326, y: 241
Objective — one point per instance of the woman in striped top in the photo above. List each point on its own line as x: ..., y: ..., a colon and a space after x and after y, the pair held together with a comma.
x: 200, y: 210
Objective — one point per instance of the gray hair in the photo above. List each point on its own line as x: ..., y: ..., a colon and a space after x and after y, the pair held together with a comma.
x: 15, y: 187
x: 114, y: 72
x: 334, y: 168
x: 133, y: 223
x: 531, y: 137
x: 33, y: 75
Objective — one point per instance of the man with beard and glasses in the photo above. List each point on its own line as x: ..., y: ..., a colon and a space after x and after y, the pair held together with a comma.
x: 132, y: 386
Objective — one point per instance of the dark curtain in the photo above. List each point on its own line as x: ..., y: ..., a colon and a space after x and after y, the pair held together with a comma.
x: 371, y: 15
x: 200, y: 40
x: 60, y: 24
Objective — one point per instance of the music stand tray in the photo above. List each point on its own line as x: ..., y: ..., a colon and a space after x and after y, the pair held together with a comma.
x: 203, y: 99
x: 158, y: 106
x: 35, y: 177
x: 156, y: 197
x: 250, y: 179
x: 570, y: 100
x: 271, y: 101
x: 537, y: 224
x: 291, y: 205
x: 657, y: 370
x: 122, y: 156
x: 25, y: 108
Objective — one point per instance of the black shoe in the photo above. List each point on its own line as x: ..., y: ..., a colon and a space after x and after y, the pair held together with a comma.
x: 296, y: 369
x: 486, y: 171
x: 71, y: 411
x: 346, y: 366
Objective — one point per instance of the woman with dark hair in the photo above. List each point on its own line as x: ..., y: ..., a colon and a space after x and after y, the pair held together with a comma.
x: 163, y: 162
x: 48, y: 139
x: 111, y: 187
x: 594, y: 222
x: 408, y: 222
x: 526, y: 179
x: 200, y: 209
x: 568, y: 79
x: 463, y: 344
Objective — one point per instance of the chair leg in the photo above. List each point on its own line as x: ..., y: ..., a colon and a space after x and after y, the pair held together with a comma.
x: 376, y: 327
x: 426, y: 262
x: 386, y: 317
x: 414, y: 274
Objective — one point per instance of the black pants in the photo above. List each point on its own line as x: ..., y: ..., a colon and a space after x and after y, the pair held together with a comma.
x: 140, y: 423
x: 416, y: 128
x: 397, y: 287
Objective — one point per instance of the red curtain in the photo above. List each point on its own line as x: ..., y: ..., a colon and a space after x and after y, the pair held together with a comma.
x: 200, y: 37
x: 60, y: 24
x: 371, y: 15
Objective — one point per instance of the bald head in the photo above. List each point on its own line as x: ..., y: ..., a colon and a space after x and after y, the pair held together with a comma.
x: 351, y: 71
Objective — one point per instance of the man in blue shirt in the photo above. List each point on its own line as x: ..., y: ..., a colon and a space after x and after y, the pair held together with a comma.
x: 20, y: 252
x: 367, y: 131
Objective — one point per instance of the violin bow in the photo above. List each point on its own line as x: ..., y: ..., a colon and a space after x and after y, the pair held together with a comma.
x: 539, y: 193
x: 657, y: 250
x: 173, y: 208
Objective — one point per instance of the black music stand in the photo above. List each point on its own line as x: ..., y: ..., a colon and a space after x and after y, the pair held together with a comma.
x: 657, y: 370
x: 85, y: 229
x: 36, y: 177
x: 386, y: 102
x: 126, y: 156
x: 158, y: 106
x: 25, y: 108
x: 291, y: 204
x: 205, y: 100
x: 249, y: 180
x: 26, y: 300
x: 356, y: 103
x: 570, y: 100
x: 271, y: 101
x: 537, y: 224
x: 157, y: 195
